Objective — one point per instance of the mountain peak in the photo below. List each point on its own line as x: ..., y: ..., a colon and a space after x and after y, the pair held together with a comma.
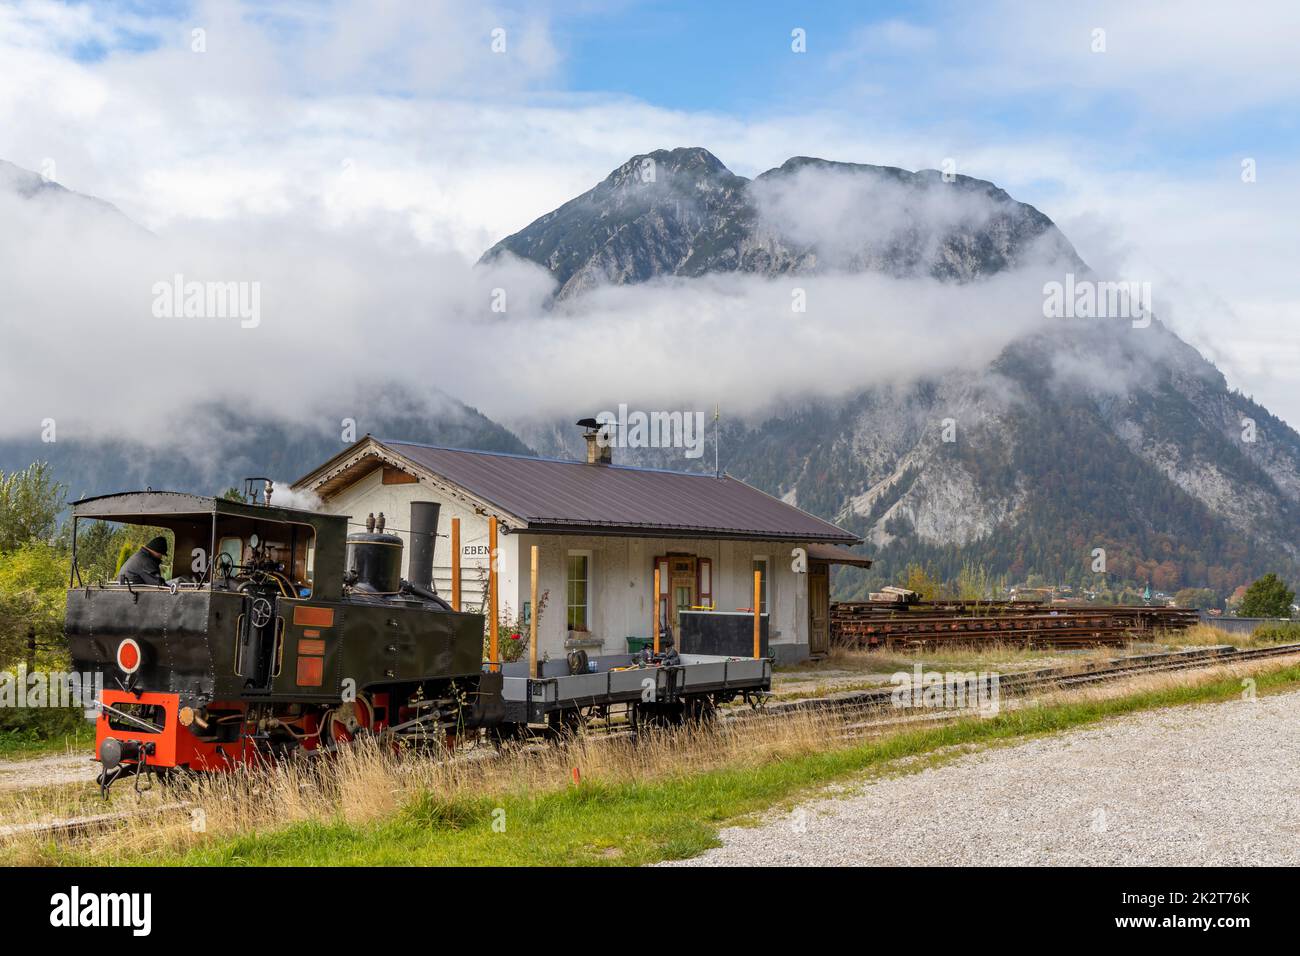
x: 28, y: 185
x: 24, y: 182
x: 682, y: 212
x: 693, y: 160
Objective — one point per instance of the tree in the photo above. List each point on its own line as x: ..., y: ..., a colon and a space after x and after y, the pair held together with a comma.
x: 1267, y: 597
x: 1197, y: 597
x: 974, y: 583
x: 99, y: 550
x: 924, y: 583
x: 30, y: 504
x: 33, y: 583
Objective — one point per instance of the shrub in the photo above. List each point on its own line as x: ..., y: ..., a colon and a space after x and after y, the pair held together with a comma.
x: 512, y: 632
x: 35, y: 725
x: 1267, y: 597
x: 1283, y: 632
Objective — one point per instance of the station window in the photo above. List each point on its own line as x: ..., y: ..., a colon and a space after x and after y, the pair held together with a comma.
x: 579, y: 591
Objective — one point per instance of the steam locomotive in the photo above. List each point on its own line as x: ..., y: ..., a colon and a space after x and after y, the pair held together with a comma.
x: 285, y: 634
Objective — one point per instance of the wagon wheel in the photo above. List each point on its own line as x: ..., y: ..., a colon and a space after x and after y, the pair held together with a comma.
x: 570, y: 721
x: 700, y: 710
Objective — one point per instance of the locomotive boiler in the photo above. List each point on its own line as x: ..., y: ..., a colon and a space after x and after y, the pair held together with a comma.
x: 279, y: 632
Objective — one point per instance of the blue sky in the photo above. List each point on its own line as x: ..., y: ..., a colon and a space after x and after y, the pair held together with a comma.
x: 917, y: 65
x: 735, y: 58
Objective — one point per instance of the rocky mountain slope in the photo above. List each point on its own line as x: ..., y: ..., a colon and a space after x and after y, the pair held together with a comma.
x: 216, y: 447
x: 1081, y: 436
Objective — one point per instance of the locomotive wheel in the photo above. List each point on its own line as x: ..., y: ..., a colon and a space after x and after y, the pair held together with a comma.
x: 344, y: 723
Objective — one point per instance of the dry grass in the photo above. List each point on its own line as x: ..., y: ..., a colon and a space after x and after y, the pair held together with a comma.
x: 1203, y: 635
x: 369, y: 784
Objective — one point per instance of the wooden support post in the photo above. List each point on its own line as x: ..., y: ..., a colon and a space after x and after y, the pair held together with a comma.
x: 532, y: 620
x: 758, y: 616
x: 655, y: 625
x: 455, y: 564
x: 494, y: 624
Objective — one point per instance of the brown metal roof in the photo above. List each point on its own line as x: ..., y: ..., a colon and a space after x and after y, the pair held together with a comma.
x: 575, y: 497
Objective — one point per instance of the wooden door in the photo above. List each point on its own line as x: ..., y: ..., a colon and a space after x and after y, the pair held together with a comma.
x: 819, y: 608
x: 681, y: 587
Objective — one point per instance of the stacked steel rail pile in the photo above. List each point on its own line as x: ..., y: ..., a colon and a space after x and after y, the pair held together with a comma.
x: 933, y: 623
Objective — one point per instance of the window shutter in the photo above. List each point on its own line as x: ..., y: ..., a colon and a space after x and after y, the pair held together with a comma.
x: 704, y: 582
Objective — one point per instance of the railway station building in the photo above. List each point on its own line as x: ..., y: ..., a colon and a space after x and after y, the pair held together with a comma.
x: 602, y: 529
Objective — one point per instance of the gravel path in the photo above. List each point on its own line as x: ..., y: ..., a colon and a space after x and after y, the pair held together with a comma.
x: 46, y: 771
x: 1215, y: 784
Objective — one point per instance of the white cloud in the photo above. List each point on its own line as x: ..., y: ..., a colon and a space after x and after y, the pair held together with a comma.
x: 386, y: 148
x: 341, y: 308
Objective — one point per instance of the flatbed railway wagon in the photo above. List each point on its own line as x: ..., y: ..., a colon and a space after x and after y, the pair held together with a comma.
x: 674, y: 689
x: 279, y: 633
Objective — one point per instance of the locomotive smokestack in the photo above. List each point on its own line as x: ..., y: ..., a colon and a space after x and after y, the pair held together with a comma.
x: 424, y: 539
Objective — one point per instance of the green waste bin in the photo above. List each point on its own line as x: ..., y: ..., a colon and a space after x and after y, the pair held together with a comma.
x: 635, y: 645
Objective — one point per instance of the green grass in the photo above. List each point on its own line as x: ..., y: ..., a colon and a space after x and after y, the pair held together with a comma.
x: 599, y: 824
x: 21, y: 746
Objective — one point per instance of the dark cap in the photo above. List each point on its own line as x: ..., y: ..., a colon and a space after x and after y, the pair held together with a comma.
x: 158, y: 544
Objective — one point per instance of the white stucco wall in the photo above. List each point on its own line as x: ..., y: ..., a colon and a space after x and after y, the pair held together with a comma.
x: 622, y: 582
x: 371, y: 495
x: 621, y: 576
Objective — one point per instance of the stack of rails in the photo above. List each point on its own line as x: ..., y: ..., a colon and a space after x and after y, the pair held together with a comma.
x: 932, y: 623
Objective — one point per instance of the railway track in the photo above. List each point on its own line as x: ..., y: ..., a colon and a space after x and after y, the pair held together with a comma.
x: 852, y: 704
x: 1020, y: 682
x: 75, y: 826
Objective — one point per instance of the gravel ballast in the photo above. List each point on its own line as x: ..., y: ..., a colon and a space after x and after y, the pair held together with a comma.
x: 1213, y: 784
